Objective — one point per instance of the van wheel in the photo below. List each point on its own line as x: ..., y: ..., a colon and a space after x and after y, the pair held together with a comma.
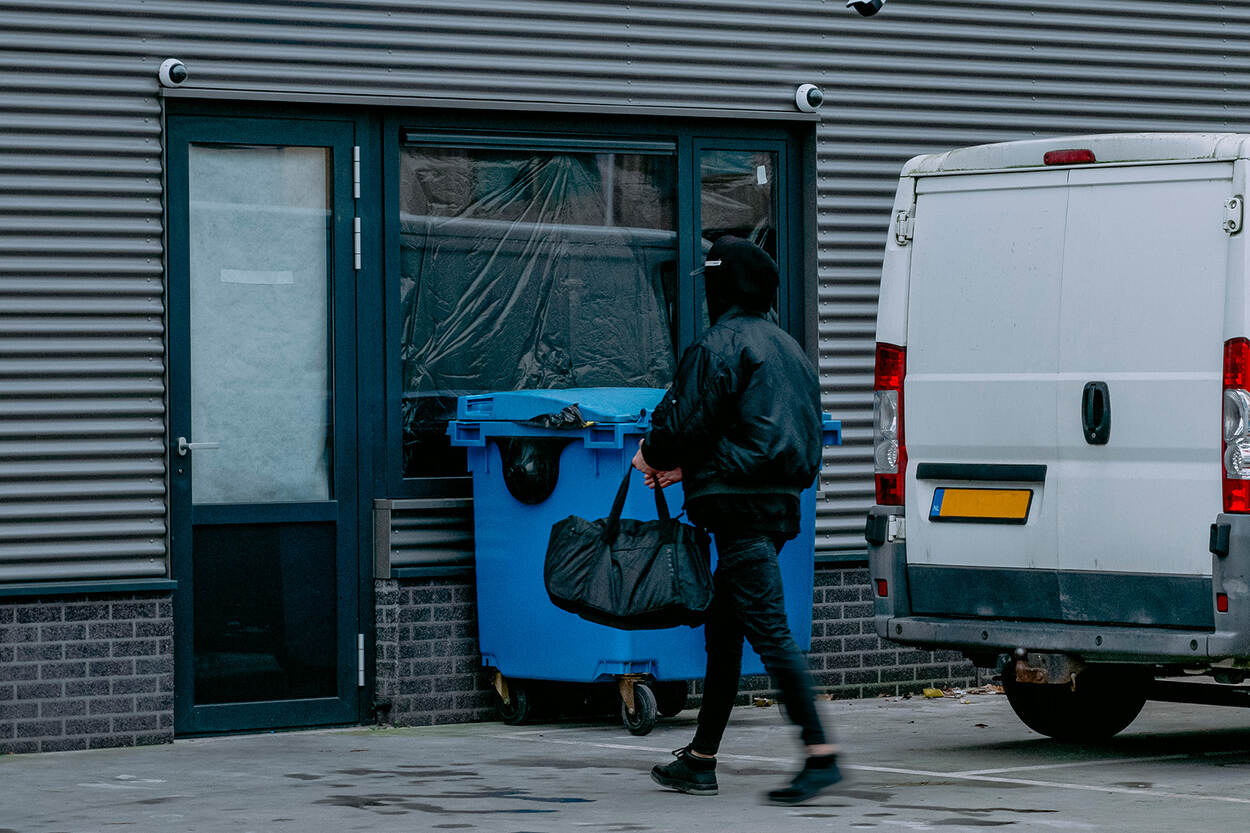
x: 1105, y: 701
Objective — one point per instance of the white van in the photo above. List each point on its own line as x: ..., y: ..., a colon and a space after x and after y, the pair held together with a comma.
x: 1062, y: 325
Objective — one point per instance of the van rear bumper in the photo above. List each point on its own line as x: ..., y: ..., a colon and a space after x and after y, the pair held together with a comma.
x: 1197, y: 639
x: 1090, y: 642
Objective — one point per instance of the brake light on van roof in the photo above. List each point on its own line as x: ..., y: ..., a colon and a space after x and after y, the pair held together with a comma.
x: 1069, y: 156
x: 889, y: 458
x: 1237, y: 425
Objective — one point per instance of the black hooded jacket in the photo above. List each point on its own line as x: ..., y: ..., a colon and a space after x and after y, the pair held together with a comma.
x: 742, y: 418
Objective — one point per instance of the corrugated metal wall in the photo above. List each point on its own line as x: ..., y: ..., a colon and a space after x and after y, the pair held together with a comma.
x: 82, y: 475
x: 926, y: 76
x: 81, y: 363
x: 422, y: 533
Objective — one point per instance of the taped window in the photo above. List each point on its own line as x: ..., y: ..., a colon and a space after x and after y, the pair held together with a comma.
x: 529, y: 269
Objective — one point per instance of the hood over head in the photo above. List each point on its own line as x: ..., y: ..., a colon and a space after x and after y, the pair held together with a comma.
x: 738, y: 273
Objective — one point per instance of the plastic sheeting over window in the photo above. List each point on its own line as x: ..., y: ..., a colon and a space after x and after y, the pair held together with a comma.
x: 529, y: 269
x: 738, y: 196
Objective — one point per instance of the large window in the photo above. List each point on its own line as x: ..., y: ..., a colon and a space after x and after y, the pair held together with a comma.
x: 540, y: 259
x: 529, y: 268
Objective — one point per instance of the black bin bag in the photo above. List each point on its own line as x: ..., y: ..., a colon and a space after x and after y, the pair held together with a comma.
x: 630, y: 574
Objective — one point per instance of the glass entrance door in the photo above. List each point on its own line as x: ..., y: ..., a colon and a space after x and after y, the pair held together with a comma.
x: 262, y: 423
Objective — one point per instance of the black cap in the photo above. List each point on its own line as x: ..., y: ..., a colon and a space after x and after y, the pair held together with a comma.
x: 739, y: 273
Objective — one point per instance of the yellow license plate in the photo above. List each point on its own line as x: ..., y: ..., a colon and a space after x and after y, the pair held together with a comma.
x: 992, y: 506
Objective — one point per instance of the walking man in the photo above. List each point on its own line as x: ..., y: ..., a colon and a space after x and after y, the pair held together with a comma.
x: 741, y: 427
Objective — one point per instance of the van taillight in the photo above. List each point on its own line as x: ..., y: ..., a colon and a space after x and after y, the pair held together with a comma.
x: 1237, y: 425
x: 889, y: 457
x: 1069, y: 156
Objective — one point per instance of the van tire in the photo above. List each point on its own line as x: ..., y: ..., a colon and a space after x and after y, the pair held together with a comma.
x: 1105, y: 701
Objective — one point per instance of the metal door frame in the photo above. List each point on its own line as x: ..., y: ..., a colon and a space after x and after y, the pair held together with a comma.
x: 787, y: 190
x: 341, y: 136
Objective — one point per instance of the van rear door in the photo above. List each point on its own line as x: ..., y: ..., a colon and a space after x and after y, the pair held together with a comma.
x: 981, y: 393
x: 1140, y: 348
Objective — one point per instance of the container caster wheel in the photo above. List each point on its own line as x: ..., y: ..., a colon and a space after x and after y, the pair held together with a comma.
x: 645, y: 713
x: 516, y: 709
x: 512, y: 705
x: 670, y: 697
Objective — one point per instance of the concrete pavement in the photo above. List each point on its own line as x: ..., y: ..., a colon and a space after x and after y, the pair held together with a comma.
x: 916, y: 764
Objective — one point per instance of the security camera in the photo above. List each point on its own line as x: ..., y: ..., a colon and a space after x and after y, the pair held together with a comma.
x: 865, y: 7
x: 808, y: 98
x: 172, y: 72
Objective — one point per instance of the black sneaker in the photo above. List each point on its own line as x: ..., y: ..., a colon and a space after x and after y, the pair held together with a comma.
x: 818, y: 772
x: 688, y: 774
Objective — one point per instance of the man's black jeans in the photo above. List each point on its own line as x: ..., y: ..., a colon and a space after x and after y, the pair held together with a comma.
x: 748, y: 602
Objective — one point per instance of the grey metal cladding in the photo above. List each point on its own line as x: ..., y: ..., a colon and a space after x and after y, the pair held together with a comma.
x: 923, y: 77
x: 80, y: 259
x: 425, y: 532
x: 82, y: 471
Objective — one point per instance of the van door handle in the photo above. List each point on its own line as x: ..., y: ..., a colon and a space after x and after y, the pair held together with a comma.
x: 1096, y: 413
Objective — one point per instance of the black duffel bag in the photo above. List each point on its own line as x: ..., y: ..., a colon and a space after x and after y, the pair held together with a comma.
x: 629, y: 574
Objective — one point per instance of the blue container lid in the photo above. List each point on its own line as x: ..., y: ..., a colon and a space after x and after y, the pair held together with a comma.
x: 596, y: 404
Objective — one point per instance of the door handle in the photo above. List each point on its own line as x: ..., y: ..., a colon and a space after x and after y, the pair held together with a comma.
x: 1096, y: 413
x: 184, y: 446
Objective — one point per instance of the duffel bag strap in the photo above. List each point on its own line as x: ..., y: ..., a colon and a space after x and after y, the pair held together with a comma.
x: 661, y: 506
x: 613, y: 524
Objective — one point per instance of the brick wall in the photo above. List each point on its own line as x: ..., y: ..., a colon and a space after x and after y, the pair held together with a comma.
x: 847, y: 658
x: 428, y: 667
x: 90, y: 672
x: 429, y: 672
x: 86, y: 672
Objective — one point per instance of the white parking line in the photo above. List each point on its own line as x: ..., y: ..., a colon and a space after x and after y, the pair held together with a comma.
x: 961, y: 776
x: 1098, y: 762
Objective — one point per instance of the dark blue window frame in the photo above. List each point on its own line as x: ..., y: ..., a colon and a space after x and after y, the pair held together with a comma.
x: 795, y: 191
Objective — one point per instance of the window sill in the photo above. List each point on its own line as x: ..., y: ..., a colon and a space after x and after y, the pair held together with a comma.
x: 433, y: 571
x: 83, y: 588
x: 852, y: 558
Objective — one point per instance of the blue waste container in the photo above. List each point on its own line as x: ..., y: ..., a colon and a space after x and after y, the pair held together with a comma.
x: 525, y: 479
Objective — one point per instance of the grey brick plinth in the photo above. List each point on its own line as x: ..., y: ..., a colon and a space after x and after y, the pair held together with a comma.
x: 848, y: 659
x: 82, y: 672
x: 428, y: 668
